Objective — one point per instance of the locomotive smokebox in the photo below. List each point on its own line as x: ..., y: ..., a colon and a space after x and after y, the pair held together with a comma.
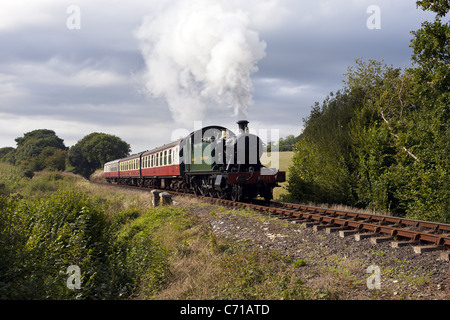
x: 243, y: 126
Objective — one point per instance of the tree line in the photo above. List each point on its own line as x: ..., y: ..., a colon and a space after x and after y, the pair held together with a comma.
x: 42, y: 149
x: 383, y: 140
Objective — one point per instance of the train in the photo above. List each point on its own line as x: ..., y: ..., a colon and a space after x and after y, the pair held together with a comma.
x: 211, y: 161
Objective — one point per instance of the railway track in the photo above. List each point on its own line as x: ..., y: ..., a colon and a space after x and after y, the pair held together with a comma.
x: 423, y: 236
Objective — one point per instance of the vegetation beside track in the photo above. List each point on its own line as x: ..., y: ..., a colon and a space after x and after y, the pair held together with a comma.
x: 124, y: 248
x: 128, y: 250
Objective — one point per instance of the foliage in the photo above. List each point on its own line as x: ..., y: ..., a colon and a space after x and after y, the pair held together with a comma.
x: 37, y: 150
x: 125, y: 249
x: 41, y: 237
x: 383, y: 141
x: 94, y: 150
x: 322, y: 161
x: 441, y: 7
x: 10, y: 178
x: 6, y: 154
x: 284, y: 144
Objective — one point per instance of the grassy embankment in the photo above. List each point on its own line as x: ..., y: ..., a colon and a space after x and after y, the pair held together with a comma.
x: 125, y: 249
x: 284, y: 162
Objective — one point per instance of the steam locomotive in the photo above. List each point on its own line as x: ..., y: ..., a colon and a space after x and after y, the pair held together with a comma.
x: 212, y: 161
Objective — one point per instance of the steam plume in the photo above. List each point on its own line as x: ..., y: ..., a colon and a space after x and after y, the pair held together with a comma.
x: 200, y: 55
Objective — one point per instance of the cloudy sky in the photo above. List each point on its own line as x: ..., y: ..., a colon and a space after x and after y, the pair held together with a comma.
x: 144, y: 69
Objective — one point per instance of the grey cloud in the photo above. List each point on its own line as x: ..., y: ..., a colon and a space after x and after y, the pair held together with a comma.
x: 42, y: 67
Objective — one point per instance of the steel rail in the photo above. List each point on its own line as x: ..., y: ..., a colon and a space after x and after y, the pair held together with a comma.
x: 415, y: 230
x: 434, y: 233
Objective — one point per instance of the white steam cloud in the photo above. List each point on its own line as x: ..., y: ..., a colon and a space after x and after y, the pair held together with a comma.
x: 200, y: 56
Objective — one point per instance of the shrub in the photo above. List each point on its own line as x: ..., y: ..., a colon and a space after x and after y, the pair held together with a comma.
x: 40, y: 239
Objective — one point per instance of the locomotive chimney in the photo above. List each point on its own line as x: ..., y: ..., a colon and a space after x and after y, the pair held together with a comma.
x: 243, y: 126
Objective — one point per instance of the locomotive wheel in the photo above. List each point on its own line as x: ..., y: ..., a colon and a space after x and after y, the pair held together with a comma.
x: 268, y: 195
x: 221, y: 195
x: 236, y: 193
x: 196, y: 190
x: 212, y: 193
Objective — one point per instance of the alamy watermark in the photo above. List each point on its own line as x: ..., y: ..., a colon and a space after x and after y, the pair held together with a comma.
x: 74, y: 280
x: 73, y: 21
x: 374, y: 20
x: 374, y: 281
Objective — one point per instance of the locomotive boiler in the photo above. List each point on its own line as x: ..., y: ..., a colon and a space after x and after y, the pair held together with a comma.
x: 212, y: 161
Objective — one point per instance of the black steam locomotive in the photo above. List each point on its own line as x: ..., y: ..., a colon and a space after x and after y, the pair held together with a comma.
x: 212, y: 161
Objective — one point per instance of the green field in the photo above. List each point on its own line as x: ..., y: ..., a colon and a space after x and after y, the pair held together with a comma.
x: 284, y: 162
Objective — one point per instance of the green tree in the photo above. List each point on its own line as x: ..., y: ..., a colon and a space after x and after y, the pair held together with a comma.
x: 322, y: 168
x: 33, y: 142
x: 288, y: 143
x: 441, y: 7
x: 94, y: 150
x: 33, y: 149
x: 284, y: 144
x: 7, y: 154
x: 392, y: 153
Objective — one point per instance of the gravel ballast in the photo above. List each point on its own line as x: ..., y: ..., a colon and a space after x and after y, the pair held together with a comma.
x: 326, y: 262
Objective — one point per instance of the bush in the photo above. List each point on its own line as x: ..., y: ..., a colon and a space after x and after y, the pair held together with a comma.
x: 40, y: 239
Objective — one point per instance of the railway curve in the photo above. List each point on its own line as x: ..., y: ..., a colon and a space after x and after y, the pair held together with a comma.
x: 422, y: 236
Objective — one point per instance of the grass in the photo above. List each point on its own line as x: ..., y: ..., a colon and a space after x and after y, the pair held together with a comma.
x: 284, y: 162
x: 10, y: 177
x: 146, y: 253
x: 152, y: 253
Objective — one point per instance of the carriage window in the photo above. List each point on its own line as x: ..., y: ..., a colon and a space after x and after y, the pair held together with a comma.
x: 165, y: 157
x: 170, y: 157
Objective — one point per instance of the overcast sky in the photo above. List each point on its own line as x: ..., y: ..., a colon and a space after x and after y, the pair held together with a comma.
x: 82, y: 66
